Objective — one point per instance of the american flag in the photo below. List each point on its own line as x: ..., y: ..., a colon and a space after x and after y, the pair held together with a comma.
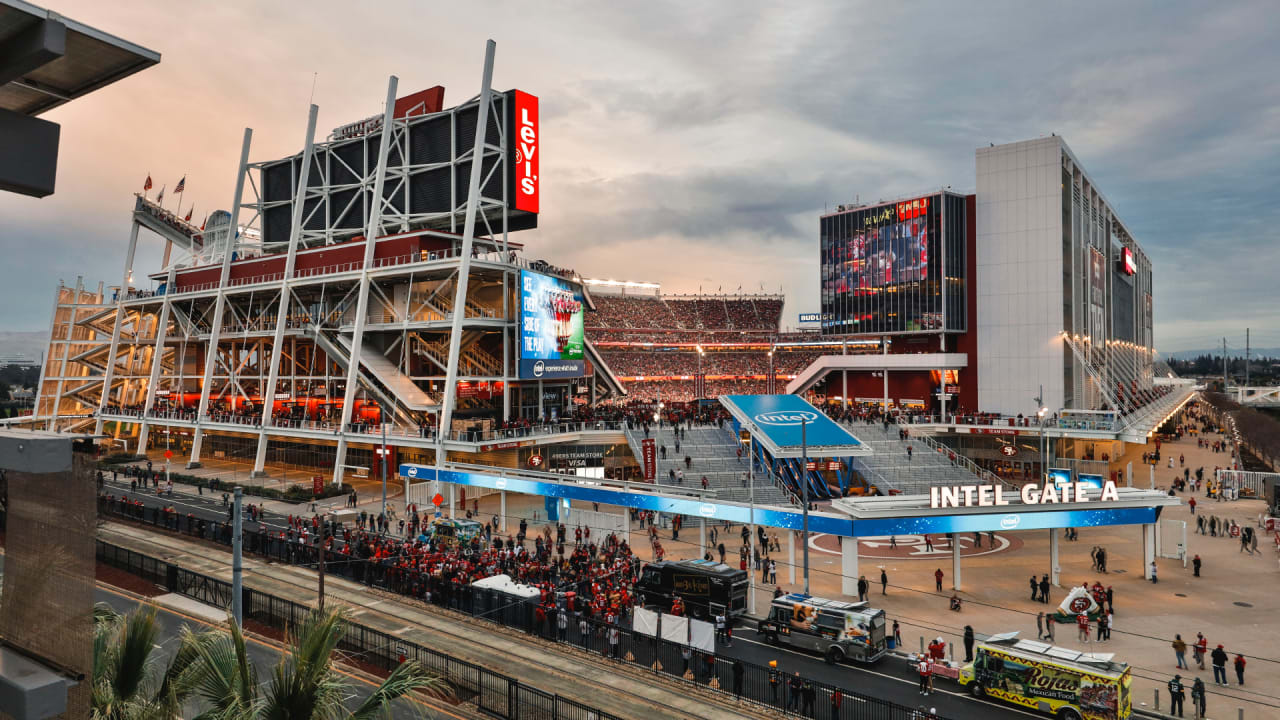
x: 182, y: 184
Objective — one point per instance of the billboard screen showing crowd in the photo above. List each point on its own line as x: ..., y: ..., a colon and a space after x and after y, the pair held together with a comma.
x: 881, y: 267
x: 551, y: 343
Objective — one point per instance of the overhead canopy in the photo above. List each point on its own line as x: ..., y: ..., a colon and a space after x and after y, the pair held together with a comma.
x: 788, y: 426
x: 47, y: 60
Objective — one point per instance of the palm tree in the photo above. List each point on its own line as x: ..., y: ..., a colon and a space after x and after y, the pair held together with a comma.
x: 303, y: 685
x: 126, y: 685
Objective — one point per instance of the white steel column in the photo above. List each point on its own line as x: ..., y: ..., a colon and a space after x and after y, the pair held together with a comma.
x: 109, y: 374
x: 849, y: 565
x: 502, y: 511
x: 362, y: 297
x: 1053, y: 556
x: 791, y: 555
x: 468, y: 239
x: 66, y: 352
x: 268, y: 392
x: 157, y: 355
x: 215, y: 329
x: 955, y: 561
x: 1148, y: 548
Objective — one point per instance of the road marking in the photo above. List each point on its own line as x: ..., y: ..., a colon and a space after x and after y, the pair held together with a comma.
x: 963, y: 695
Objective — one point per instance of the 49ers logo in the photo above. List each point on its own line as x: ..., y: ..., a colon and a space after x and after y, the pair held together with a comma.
x: 1079, y: 604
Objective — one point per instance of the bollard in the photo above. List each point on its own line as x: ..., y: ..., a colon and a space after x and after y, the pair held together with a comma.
x: 951, y: 653
x: 1239, y: 713
x: 1156, y: 704
x: 921, y: 644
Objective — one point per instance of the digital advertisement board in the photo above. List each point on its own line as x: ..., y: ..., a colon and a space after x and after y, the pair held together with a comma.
x: 551, y: 342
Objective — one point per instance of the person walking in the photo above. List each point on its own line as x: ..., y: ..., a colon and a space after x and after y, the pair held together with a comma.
x: 738, y: 671
x: 1195, y: 566
x: 1040, y: 625
x: 775, y: 679
x: 1035, y: 589
x: 1219, y: 658
x: 884, y: 582
x: 1044, y: 589
x: 1180, y: 652
x: 1240, y: 663
x: 863, y: 585
x: 808, y: 693
x: 1199, y: 648
x: 968, y: 643
x: 937, y: 578
x: 1049, y: 622
x: 1176, y: 696
x: 1082, y: 628
x: 837, y: 698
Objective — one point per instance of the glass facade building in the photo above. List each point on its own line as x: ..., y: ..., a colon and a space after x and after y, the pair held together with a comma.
x: 882, y: 267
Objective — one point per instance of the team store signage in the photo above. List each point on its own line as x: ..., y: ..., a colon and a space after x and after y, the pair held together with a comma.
x: 1031, y: 494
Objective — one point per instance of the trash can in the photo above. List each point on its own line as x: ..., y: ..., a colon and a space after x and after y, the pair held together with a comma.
x: 889, y: 643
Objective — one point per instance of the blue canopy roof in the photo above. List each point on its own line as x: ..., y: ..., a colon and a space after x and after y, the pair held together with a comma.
x: 779, y: 422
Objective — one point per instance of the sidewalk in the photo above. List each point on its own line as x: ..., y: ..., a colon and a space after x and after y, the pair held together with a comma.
x: 612, y: 686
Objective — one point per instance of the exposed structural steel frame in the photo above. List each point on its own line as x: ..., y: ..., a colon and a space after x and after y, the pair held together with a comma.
x: 220, y: 303
x: 336, y: 321
x: 282, y: 311
x: 468, y: 239
x: 372, y: 232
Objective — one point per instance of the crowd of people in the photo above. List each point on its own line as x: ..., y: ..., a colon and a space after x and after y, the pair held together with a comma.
x: 650, y: 312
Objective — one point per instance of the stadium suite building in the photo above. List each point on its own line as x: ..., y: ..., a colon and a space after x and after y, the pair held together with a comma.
x: 975, y: 302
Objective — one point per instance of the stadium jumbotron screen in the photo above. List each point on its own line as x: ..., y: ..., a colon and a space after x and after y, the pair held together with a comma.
x: 551, y: 337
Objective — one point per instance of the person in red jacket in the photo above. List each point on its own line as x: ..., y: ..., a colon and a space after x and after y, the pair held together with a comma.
x: 937, y: 577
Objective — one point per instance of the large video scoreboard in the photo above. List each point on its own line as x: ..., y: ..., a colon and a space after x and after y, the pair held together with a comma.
x: 881, y: 268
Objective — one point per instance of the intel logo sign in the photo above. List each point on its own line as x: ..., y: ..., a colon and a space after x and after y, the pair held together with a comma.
x: 789, y: 417
x: 539, y: 368
x: 413, y: 472
x: 1009, y: 522
x: 500, y: 483
x: 706, y: 510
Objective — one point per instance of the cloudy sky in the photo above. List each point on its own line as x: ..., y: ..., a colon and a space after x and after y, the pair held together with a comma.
x: 695, y: 144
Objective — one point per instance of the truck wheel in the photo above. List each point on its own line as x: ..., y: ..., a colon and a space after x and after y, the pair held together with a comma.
x: 1068, y: 714
x: 834, y: 655
x: 771, y: 636
x: 976, y: 689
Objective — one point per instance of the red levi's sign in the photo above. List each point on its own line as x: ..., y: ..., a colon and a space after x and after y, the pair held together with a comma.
x: 527, y: 153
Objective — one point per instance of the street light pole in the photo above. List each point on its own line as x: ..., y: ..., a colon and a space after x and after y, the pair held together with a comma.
x: 384, y: 461
x: 751, y: 500
x: 804, y: 487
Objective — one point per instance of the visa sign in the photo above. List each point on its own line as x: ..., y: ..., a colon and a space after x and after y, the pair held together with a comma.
x: 526, y: 153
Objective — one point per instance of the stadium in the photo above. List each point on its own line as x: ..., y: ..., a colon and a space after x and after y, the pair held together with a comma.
x: 368, y: 302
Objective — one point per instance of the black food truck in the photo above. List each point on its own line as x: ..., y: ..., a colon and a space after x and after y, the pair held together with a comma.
x: 706, y: 588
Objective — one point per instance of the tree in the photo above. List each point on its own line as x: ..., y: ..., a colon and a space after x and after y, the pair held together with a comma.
x: 126, y: 685
x: 303, y: 685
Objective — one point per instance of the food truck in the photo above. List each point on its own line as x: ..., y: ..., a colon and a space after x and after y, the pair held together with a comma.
x: 706, y: 588
x: 1058, y: 681
x: 839, y: 630
x: 448, y: 532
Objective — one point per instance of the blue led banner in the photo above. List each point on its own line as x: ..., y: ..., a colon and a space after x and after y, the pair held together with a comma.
x: 938, y: 524
x: 732, y: 512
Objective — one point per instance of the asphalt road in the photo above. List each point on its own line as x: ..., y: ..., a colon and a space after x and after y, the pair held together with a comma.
x: 264, y: 655
x: 889, y: 679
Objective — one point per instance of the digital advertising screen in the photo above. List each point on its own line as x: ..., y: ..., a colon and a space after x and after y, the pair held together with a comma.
x: 551, y: 344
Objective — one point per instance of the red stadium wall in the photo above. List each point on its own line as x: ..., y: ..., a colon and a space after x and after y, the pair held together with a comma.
x: 332, y: 255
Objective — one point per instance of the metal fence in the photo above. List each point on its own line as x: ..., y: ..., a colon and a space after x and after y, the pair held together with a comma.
x: 494, y: 693
x: 764, y: 685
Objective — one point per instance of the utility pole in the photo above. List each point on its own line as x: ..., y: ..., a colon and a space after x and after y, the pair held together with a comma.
x: 1246, y: 357
x: 237, y: 569
x: 804, y: 487
x: 1224, y: 365
x: 320, y: 553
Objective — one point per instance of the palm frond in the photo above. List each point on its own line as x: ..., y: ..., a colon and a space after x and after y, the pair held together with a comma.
x: 132, y: 659
x: 408, y: 678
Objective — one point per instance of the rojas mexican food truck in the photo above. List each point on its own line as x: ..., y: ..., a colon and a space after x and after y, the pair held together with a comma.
x: 1065, y: 683
x: 839, y: 630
